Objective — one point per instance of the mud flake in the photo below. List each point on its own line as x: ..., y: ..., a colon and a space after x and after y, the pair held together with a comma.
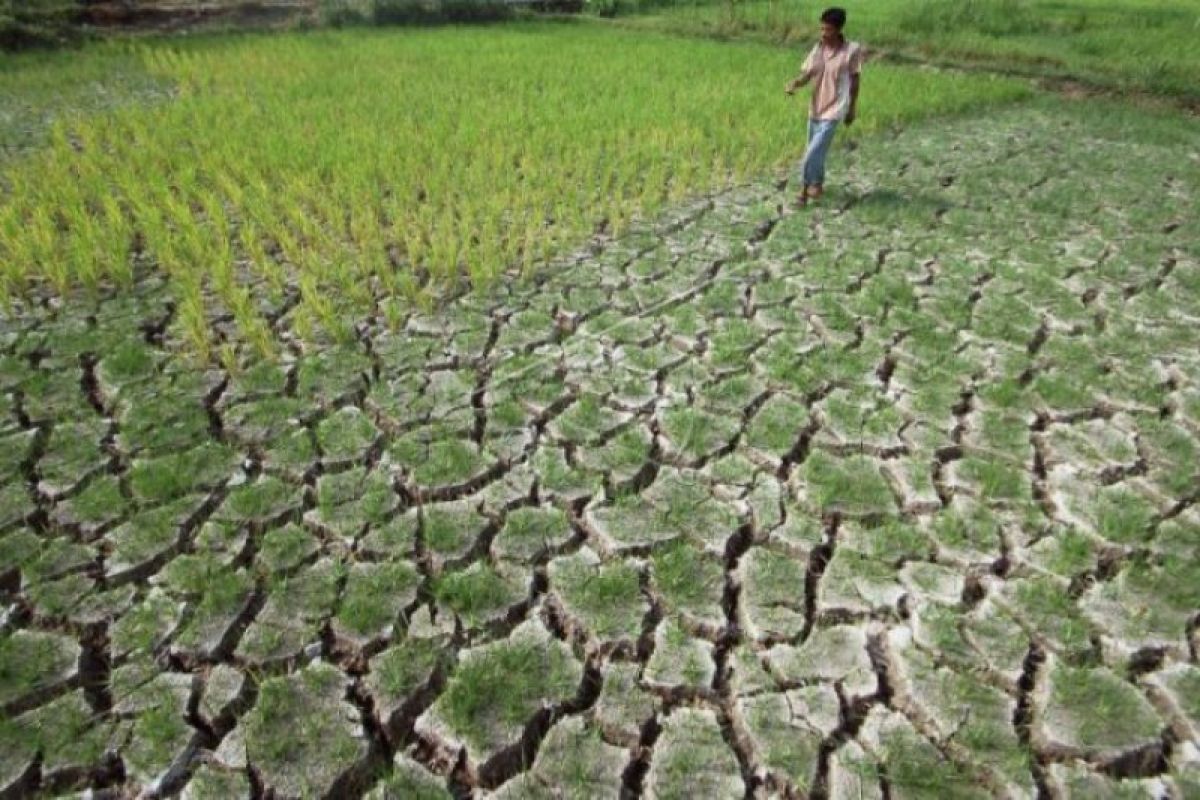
x: 623, y: 707
x: 837, y: 653
x: 680, y: 659
x: 573, y: 762
x: 301, y: 735
x: 787, y: 729
x: 692, y: 760
x: 772, y: 593
x: 1090, y: 712
x: 497, y: 688
x: 606, y: 597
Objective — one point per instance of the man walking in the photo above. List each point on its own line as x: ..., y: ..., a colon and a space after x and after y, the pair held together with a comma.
x: 833, y: 67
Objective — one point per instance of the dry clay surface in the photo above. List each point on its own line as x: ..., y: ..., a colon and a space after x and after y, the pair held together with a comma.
x: 892, y: 498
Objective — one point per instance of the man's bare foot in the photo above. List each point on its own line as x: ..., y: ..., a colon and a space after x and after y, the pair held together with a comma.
x: 815, y: 191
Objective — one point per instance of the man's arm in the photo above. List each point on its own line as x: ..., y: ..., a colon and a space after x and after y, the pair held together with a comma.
x: 856, y: 59
x: 806, y: 74
x: 796, y: 83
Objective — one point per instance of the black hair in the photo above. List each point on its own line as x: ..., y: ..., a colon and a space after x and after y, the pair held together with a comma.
x: 835, y: 17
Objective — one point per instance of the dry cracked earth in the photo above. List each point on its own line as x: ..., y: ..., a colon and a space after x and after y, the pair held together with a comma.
x: 892, y: 498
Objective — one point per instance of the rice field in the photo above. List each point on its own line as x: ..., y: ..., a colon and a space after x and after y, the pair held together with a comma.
x: 364, y: 167
x: 470, y: 413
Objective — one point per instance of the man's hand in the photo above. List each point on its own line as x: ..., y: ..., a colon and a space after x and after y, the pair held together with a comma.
x: 792, y: 87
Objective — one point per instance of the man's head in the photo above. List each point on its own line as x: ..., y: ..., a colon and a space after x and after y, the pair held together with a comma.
x: 832, y: 22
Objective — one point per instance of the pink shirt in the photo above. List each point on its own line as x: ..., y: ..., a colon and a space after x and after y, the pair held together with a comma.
x: 830, y: 71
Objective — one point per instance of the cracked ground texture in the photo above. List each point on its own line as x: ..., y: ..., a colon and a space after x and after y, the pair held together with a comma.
x: 892, y: 498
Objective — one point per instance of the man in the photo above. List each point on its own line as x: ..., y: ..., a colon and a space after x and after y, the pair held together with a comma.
x: 833, y: 66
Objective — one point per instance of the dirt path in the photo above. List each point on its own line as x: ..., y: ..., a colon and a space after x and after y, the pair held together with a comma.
x: 895, y: 497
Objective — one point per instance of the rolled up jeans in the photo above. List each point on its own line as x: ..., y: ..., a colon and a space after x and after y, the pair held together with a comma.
x: 820, y: 136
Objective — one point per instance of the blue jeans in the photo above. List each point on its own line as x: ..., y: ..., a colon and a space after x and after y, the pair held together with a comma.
x: 820, y: 136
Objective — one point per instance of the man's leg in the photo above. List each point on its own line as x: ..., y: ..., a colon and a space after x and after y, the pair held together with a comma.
x: 812, y: 132
x: 820, y: 137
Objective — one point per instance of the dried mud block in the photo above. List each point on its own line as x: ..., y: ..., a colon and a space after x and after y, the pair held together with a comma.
x: 622, y: 457
x: 35, y: 664
x: 528, y: 533
x: 604, y: 597
x: 286, y: 549
x: 450, y: 530
x: 222, y: 687
x: 853, y: 775
x: 1075, y: 779
x: 786, y: 730
x: 260, y: 502
x: 292, y: 614
x: 496, y: 690
x: 138, y: 547
x: 1091, y: 713
x: 962, y: 713
x: 213, y: 782
x: 400, y: 673
x: 837, y: 653
x: 914, y: 768
x: 345, y: 436
x: 573, y: 763
x: 856, y: 583
x: 1045, y: 607
x: 776, y: 428
x: 372, y: 599
x: 559, y: 480
x: 394, y: 539
x: 932, y: 582
x: 689, y: 581
x: 1176, y: 691
x: 65, y: 733
x: 852, y: 485
x: 680, y: 659
x: 161, y: 743
x: 772, y: 598
x: 587, y: 422
x: 691, y: 759
x: 748, y: 673
x: 481, y: 593
x: 349, y: 502
x: 623, y: 707
x: 1147, y: 607
x: 301, y: 736
x: 408, y: 779
x: 985, y: 638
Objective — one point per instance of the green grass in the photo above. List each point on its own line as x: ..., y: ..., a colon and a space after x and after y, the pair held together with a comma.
x: 1144, y: 45
x: 343, y: 165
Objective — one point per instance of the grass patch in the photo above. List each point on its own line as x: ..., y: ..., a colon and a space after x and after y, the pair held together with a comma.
x: 1127, y: 44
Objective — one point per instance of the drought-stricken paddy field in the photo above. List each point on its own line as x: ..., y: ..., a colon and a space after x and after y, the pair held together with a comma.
x: 893, y: 497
